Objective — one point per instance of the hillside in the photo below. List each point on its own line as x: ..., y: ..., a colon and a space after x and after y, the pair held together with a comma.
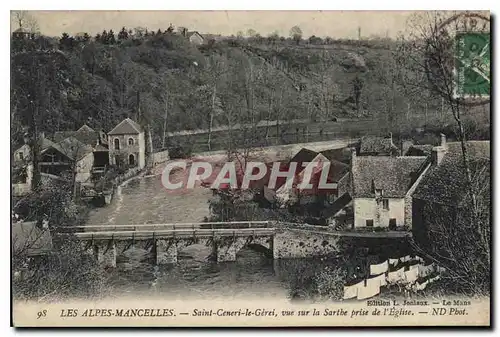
x: 61, y: 84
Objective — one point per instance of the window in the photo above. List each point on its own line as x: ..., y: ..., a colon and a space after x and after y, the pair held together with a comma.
x: 131, y: 141
x: 21, y: 156
x: 131, y: 160
x: 369, y: 223
x: 117, y: 144
x: 385, y: 204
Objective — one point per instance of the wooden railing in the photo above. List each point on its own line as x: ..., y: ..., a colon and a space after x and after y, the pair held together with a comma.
x: 170, y: 226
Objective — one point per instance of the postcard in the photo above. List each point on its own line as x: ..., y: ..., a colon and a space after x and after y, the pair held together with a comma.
x: 250, y: 168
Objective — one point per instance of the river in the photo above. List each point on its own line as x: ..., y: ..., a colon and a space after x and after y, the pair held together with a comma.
x: 144, y: 200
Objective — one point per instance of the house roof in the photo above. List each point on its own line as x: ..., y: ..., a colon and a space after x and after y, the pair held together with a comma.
x: 372, y: 144
x: 29, y: 239
x: 189, y: 34
x: 126, y: 127
x: 71, y: 148
x: 337, y: 205
x: 419, y: 150
x: 85, y: 128
x: 446, y: 182
x: 342, y: 154
x: 45, y: 143
x: 393, y: 175
x: 61, y: 135
x: 21, y: 30
x: 303, y: 156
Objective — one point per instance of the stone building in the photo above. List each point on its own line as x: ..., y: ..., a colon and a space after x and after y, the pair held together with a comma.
x: 127, y: 145
x: 382, y: 187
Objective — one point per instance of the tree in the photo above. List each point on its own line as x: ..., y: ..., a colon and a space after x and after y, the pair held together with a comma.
x: 251, y: 32
x: 273, y: 37
x: 110, y: 37
x: 123, y: 34
x: 68, y: 270
x: 139, y: 31
x: 296, y: 34
x: 26, y: 20
x: 427, y: 54
x: 357, y: 88
x: 66, y: 42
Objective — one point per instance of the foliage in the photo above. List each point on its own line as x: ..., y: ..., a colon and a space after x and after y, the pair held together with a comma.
x: 66, y: 271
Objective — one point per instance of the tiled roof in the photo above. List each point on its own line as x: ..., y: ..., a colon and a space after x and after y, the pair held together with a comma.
x: 446, y: 182
x: 342, y: 154
x: 71, y: 148
x: 419, y: 150
x: 393, y: 175
x: 126, y: 127
x: 377, y: 145
x: 61, y: 135
x: 85, y: 135
x: 85, y: 128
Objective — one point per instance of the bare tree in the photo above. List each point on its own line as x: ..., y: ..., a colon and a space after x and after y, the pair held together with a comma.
x: 428, y: 55
x: 25, y: 20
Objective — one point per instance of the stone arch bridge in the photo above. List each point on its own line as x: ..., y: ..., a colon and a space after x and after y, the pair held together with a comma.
x: 226, y: 239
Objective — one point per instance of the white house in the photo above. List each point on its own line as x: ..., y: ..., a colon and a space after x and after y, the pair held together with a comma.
x: 382, y: 187
x: 127, y: 145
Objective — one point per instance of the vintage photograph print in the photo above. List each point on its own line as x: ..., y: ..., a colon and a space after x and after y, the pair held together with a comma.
x: 250, y: 168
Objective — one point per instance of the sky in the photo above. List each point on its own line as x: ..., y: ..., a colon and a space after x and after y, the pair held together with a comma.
x: 336, y: 24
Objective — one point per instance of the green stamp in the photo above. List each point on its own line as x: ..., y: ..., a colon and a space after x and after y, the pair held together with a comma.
x: 472, y: 65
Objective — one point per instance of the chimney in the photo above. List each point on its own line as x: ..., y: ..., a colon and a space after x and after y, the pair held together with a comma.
x: 353, y: 154
x: 443, y: 140
x: 437, y: 155
x: 438, y: 152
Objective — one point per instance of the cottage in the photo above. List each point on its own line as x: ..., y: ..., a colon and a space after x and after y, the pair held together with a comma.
x: 336, y: 178
x: 69, y: 155
x: 127, y: 146
x: 442, y: 192
x: 382, y: 187
x: 23, y: 34
x: 195, y: 38
x: 378, y: 146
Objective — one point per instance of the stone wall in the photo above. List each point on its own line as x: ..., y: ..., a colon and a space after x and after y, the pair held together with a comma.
x: 160, y: 157
x: 301, y: 243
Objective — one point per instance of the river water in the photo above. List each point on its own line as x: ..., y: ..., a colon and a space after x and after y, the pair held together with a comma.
x: 144, y: 200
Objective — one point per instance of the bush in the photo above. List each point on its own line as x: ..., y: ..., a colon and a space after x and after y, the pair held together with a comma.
x: 67, y: 272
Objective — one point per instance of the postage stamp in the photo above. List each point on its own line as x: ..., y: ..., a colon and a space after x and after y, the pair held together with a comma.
x: 250, y: 169
x: 473, y: 64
